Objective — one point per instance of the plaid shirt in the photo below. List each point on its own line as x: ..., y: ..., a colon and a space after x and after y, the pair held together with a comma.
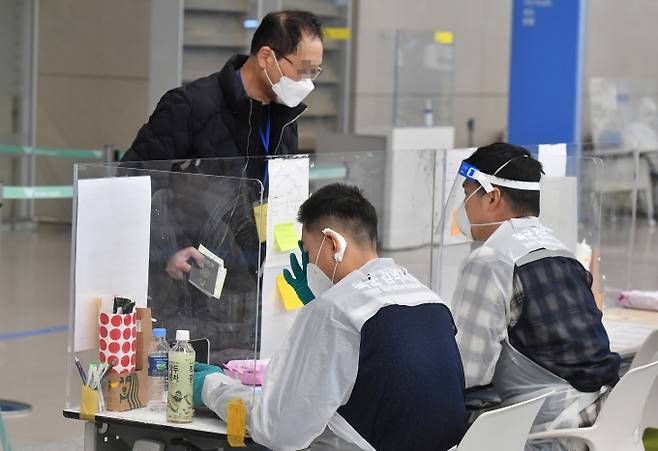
x: 480, y: 307
x: 560, y: 328
x: 485, y: 308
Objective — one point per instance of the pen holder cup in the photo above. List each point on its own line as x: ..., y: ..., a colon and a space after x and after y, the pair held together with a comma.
x: 117, y: 341
x: 88, y: 404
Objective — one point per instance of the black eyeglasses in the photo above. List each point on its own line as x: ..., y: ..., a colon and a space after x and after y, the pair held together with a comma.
x: 310, y: 72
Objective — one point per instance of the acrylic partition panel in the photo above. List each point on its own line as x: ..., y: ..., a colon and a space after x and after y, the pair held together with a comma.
x: 424, y: 67
x: 288, y: 184
x: 173, y: 239
x: 628, y: 189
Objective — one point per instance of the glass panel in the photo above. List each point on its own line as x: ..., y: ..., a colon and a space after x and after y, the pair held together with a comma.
x: 400, y: 189
x: 423, y: 79
x: 188, y: 209
x: 627, y: 186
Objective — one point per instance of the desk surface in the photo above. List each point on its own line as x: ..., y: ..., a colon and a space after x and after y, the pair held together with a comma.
x: 628, y: 328
x: 203, y: 424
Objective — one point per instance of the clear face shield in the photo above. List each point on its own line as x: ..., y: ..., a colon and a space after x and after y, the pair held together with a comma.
x: 456, y: 225
x: 455, y: 228
x: 570, y: 207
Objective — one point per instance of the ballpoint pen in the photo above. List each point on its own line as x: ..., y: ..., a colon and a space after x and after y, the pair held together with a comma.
x: 83, y: 376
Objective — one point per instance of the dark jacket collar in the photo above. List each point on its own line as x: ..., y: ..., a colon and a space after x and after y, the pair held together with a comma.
x: 239, y: 102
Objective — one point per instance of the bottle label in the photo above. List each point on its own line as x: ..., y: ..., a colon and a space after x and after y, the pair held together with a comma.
x: 180, y: 406
x: 158, y: 366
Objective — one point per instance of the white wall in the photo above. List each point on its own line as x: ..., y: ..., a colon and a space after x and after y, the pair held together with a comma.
x: 93, y: 78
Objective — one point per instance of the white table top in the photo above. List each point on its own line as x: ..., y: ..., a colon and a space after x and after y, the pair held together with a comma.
x: 202, y: 423
x: 627, y: 328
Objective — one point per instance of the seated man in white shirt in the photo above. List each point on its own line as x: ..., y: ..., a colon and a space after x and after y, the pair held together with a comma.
x: 371, y: 360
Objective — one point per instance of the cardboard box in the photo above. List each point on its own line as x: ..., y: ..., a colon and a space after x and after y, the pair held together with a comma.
x: 130, y: 390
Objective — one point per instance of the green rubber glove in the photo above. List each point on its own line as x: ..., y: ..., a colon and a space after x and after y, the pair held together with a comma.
x: 300, y: 281
x: 201, y: 370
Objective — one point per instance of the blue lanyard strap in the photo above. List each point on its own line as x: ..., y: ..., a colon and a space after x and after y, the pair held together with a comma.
x: 265, y: 140
x: 264, y: 134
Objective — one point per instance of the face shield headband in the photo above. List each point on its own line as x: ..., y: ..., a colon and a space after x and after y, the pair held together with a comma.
x: 473, y: 174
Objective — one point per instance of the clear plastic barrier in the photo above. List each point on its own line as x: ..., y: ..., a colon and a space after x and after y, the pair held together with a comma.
x: 130, y: 224
x: 627, y: 184
x: 424, y: 69
x: 409, y: 241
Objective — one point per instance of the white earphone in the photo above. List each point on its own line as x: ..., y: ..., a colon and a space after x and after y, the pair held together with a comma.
x: 342, y: 244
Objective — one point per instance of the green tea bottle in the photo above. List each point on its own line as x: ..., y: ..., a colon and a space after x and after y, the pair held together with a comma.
x: 180, y: 406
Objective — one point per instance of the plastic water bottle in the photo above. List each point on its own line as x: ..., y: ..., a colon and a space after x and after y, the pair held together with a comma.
x: 428, y: 113
x: 180, y: 397
x: 158, y: 357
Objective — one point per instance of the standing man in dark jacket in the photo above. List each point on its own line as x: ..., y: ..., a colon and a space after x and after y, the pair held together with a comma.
x: 249, y: 108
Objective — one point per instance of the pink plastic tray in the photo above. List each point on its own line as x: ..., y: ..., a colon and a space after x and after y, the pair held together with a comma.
x: 246, y: 372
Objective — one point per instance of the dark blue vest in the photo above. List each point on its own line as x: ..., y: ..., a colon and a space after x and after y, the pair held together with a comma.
x: 560, y: 325
x: 409, y: 391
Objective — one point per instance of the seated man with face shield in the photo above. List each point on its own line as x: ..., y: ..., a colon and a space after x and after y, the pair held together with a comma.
x: 371, y: 360
x: 527, y: 320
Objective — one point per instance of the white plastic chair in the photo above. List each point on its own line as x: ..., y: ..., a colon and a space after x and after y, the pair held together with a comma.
x: 649, y: 353
x: 504, y: 429
x: 618, y: 426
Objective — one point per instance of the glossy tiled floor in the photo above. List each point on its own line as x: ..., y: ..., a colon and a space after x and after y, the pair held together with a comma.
x: 34, y: 286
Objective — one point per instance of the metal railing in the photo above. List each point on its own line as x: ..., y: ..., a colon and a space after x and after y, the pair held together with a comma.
x: 27, y: 190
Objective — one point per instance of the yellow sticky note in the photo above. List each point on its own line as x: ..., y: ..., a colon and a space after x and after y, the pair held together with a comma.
x: 444, y: 37
x: 236, y: 423
x: 454, y: 227
x: 288, y: 295
x: 337, y: 33
x: 286, y: 236
x: 260, y: 214
x: 88, y: 404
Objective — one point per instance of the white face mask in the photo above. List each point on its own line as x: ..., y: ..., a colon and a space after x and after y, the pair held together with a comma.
x: 288, y: 91
x: 464, y: 224
x: 317, y: 280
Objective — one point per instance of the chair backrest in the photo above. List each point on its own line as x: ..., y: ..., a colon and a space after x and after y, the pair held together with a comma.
x: 648, y: 351
x: 504, y: 429
x: 622, y: 411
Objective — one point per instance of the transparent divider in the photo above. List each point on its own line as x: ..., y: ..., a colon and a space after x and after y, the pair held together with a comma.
x: 211, y: 202
x: 160, y: 236
x: 423, y: 96
x: 628, y: 186
x: 406, y: 218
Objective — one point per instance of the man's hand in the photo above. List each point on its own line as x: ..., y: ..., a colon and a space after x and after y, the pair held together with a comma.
x: 178, y: 265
